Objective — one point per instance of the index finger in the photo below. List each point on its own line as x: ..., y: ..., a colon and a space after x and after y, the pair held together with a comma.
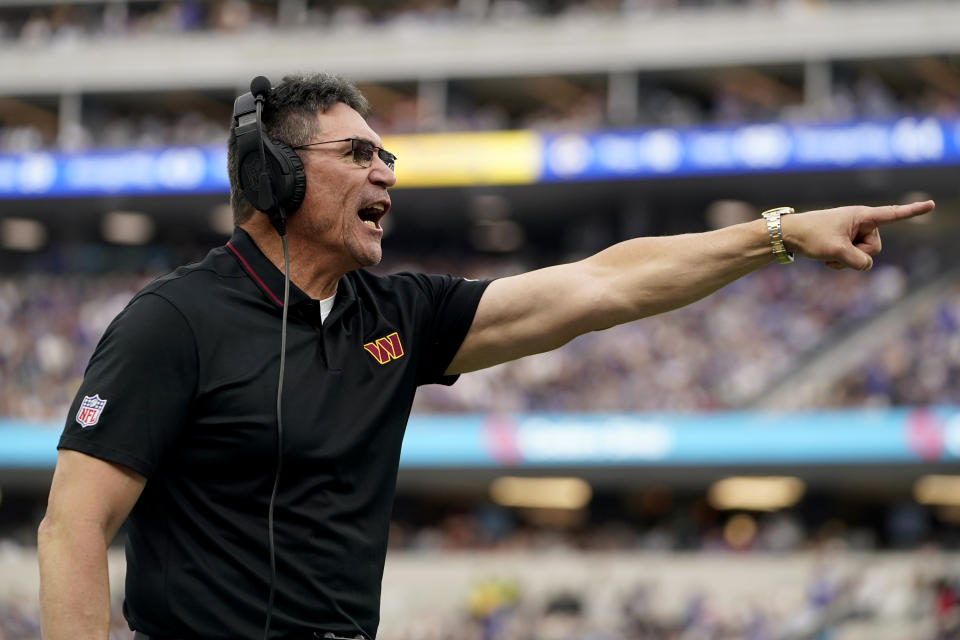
x: 894, y: 212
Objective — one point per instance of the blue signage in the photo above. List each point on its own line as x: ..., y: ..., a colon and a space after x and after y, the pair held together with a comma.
x: 597, y: 155
x: 755, y: 148
x: 172, y: 170
x: 741, y: 438
x: 679, y: 439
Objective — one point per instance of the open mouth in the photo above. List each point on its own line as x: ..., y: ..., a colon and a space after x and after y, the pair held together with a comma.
x: 371, y: 214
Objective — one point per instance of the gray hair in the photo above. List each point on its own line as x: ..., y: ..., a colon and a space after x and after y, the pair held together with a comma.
x: 290, y: 116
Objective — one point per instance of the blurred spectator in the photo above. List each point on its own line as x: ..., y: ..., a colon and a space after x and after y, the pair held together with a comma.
x: 706, y: 356
x: 918, y: 367
x: 36, y: 25
x: 584, y: 109
x: 709, y: 355
x: 48, y: 329
x: 844, y: 598
x: 731, y: 96
x: 122, y: 130
x: 577, y: 108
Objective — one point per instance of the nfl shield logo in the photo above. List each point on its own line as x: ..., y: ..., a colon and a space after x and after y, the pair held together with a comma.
x: 90, y: 410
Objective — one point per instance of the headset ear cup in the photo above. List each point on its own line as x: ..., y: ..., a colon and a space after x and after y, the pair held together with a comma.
x: 295, y: 181
x: 248, y: 176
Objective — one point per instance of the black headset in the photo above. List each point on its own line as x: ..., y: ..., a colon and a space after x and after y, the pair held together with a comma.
x: 269, y: 172
x: 272, y: 178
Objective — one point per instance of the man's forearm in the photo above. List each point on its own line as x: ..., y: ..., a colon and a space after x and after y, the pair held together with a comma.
x: 646, y: 276
x: 74, y: 582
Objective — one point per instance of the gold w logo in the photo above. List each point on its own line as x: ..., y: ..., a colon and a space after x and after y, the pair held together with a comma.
x: 385, y: 349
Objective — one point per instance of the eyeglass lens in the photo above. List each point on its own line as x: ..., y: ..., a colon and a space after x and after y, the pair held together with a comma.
x: 363, y: 154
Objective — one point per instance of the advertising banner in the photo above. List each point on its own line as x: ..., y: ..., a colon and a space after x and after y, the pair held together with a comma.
x: 519, y: 157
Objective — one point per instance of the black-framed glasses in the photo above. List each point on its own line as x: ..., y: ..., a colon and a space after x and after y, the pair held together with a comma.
x: 362, y: 150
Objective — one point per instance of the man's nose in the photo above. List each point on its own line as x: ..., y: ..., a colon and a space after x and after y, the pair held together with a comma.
x: 381, y: 174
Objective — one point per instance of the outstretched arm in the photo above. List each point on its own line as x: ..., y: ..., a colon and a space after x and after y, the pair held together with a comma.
x: 544, y: 309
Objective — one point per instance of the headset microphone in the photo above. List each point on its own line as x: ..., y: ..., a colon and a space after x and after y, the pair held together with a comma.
x: 259, y: 89
x: 269, y: 172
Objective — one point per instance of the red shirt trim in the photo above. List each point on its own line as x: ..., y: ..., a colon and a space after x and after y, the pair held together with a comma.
x: 254, y: 275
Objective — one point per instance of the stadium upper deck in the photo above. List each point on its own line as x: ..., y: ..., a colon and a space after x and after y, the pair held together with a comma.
x: 436, y: 40
x: 72, y: 70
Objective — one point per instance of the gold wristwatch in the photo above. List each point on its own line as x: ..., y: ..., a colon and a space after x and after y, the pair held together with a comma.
x: 772, y: 216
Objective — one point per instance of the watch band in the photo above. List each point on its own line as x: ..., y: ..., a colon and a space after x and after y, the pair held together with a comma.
x: 772, y: 216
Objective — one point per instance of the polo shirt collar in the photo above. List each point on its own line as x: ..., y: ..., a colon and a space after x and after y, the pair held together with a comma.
x: 270, y: 279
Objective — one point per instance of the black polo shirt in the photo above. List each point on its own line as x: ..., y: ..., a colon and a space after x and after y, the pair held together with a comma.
x: 182, y: 389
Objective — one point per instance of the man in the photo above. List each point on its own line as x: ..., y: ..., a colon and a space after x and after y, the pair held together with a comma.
x: 176, y: 422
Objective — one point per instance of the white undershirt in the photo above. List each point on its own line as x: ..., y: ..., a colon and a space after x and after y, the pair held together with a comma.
x: 325, y: 306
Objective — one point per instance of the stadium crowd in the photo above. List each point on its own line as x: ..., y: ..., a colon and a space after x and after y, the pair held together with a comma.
x: 657, y: 521
x: 725, y: 96
x: 33, y: 23
x: 919, y: 367
x: 48, y: 329
x: 720, y: 352
x: 734, y: 98
x: 716, y: 353
x: 834, y: 596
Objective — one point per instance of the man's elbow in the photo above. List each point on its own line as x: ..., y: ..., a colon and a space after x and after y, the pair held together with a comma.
x: 44, y: 531
x: 47, y: 538
x: 58, y: 529
x: 48, y: 531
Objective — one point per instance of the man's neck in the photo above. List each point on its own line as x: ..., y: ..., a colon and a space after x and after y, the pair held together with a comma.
x: 310, y: 270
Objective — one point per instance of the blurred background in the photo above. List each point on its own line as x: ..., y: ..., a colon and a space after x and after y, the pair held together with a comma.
x: 777, y: 461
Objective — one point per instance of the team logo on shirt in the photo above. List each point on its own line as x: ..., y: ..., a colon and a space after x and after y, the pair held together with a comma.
x: 386, y: 348
x: 90, y: 410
